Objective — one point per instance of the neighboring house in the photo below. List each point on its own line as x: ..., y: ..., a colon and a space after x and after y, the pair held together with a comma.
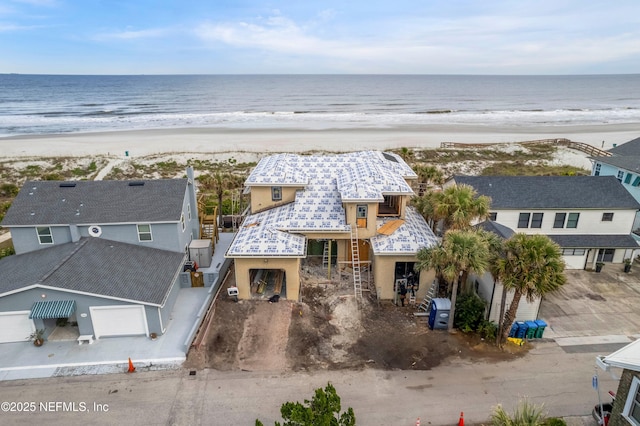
x: 626, y: 408
x: 491, y: 292
x: 108, y: 255
x: 624, y: 164
x: 351, y: 208
x: 589, y: 217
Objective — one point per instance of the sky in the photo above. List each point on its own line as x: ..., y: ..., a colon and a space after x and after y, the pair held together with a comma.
x: 319, y: 37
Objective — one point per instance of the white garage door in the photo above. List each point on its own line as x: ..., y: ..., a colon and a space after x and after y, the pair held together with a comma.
x: 15, y: 326
x: 129, y: 320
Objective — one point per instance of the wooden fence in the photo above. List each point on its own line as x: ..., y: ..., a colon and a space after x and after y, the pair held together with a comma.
x: 578, y: 146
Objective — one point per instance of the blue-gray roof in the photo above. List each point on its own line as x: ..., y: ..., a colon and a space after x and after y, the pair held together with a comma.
x: 500, y: 230
x: 629, y: 163
x: 628, y: 148
x: 98, y: 267
x: 97, y: 202
x: 552, y: 192
x: 595, y: 241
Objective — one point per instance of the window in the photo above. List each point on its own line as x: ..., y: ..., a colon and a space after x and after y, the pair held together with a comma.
x: 631, y: 409
x: 144, y: 233
x: 182, y: 222
x: 536, y: 220
x: 628, y: 178
x: 596, y: 172
x: 276, y: 193
x: 607, y: 217
x: 44, y: 235
x: 559, y: 221
x: 189, y: 211
x: 572, y: 220
x: 573, y: 251
x: 523, y: 220
x: 361, y: 216
x: 636, y: 181
x: 493, y: 216
x: 620, y: 175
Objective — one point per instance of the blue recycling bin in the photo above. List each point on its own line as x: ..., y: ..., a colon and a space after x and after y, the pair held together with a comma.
x: 531, y: 329
x: 540, y: 330
x: 521, y: 333
x: 514, y: 330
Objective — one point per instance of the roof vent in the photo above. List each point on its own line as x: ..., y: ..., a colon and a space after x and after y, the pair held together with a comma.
x: 136, y: 183
x: 389, y: 157
x: 67, y: 184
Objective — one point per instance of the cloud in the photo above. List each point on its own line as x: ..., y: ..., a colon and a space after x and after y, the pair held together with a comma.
x: 9, y: 27
x: 134, y: 34
x: 46, y: 3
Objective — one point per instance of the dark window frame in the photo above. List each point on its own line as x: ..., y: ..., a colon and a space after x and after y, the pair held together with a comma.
x: 536, y: 220
x: 559, y: 220
x: 276, y: 193
x: 572, y: 220
x: 523, y: 220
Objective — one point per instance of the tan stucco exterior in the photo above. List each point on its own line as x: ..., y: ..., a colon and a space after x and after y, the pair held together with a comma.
x: 261, y: 197
x: 384, y: 276
x: 291, y: 267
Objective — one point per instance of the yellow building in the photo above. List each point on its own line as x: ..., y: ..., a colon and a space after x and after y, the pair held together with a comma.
x: 352, y: 205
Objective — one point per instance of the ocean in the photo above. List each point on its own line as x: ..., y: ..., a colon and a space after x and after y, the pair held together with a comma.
x: 52, y: 104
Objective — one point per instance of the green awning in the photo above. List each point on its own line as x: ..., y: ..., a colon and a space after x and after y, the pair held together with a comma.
x: 53, y: 309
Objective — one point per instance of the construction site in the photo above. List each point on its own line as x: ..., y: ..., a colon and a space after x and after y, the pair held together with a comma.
x: 335, y: 325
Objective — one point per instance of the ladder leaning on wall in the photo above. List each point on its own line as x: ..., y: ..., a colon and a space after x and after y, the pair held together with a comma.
x: 355, y: 261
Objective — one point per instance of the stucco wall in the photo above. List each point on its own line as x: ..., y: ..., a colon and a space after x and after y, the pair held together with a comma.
x: 372, y: 211
x: 261, y: 197
x: 384, y: 276
x: 291, y: 267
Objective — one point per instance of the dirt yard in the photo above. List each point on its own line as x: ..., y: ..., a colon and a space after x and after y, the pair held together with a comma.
x: 327, y: 330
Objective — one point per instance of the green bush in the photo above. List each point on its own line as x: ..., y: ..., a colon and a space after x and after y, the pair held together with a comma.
x: 469, y: 312
x: 488, y: 330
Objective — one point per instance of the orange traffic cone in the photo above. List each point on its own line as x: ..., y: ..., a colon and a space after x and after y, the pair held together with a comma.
x: 131, y: 367
x: 418, y: 421
x: 461, y: 421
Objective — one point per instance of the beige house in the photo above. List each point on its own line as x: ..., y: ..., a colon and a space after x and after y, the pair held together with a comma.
x: 349, y: 208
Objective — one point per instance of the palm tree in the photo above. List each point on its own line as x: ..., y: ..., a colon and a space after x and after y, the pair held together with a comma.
x: 428, y: 175
x: 525, y: 414
x: 460, y: 252
x: 457, y: 206
x: 220, y: 183
x: 532, y: 267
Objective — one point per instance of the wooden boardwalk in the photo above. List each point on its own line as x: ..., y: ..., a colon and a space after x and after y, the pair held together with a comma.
x: 591, y: 150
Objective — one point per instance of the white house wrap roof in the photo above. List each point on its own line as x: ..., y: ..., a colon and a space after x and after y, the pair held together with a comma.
x: 326, y: 182
x: 413, y: 235
x: 261, y: 235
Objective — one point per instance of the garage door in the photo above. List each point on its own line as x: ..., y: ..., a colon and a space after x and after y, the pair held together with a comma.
x: 15, y: 326
x: 128, y: 320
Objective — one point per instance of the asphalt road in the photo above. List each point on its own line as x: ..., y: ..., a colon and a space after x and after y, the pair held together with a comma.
x: 548, y: 374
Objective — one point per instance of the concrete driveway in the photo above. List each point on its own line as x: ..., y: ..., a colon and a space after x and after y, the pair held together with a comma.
x: 595, y: 309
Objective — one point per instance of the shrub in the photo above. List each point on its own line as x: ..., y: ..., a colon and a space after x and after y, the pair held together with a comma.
x: 488, y: 330
x: 469, y: 312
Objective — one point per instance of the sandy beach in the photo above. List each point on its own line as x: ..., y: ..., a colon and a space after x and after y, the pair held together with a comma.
x: 139, y: 143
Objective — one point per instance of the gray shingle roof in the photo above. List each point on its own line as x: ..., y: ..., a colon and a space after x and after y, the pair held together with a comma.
x: 96, y: 202
x: 628, y: 148
x: 552, y: 192
x: 595, y: 241
x: 631, y: 163
x: 500, y: 230
x: 95, y: 266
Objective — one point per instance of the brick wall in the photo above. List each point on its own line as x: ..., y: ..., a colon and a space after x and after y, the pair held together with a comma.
x: 621, y: 398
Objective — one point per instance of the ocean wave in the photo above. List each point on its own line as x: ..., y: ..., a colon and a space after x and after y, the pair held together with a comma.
x: 60, y: 121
